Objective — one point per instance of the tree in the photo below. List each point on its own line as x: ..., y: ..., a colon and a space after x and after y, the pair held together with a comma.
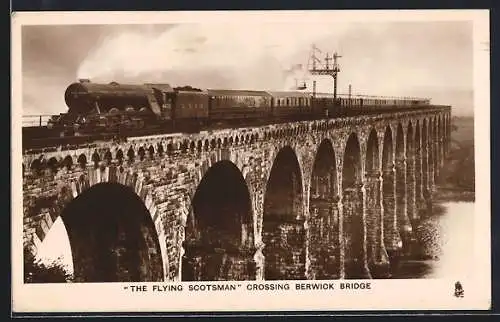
x: 37, y: 272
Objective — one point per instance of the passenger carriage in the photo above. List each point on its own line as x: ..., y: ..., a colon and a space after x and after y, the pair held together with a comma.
x: 290, y: 104
x: 238, y: 104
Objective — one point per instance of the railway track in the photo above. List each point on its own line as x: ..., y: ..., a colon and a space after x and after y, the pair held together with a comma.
x: 35, y: 138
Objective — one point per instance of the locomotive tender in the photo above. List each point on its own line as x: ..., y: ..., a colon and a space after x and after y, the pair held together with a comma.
x: 97, y: 107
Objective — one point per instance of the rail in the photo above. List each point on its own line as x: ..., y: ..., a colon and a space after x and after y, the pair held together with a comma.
x: 36, y: 120
x: 44, y: 138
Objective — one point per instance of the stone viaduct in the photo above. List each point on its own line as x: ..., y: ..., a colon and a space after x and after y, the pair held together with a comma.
x: 324, y: 199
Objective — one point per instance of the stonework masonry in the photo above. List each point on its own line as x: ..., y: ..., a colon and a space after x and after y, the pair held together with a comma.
x: 335, y: 227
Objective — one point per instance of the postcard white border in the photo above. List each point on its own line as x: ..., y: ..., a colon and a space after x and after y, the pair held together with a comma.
x: 426, y: 294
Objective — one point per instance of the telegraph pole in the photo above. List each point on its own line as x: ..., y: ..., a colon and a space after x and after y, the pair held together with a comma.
x: 326, y: 68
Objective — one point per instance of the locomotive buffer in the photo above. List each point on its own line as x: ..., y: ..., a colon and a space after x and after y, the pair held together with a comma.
x: 325, y: 69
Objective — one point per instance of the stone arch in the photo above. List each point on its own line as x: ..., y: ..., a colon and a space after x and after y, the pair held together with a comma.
x: 141, y: 153
x: 182, y: 146
x: 108, y: 157
x: 160, y: 149
x: 151, y: 152
x: 52, y: 165
x: 375, y: 249
x: 434, y: 146
x: 441, y: 139
x: 283, y: 223
x: 351, y: 171
x: 170, y: 148
x: 131, y: 154
x: 418, y: 168
x: 82, y: 161
x: 425, y: 159
x: 372, y: 153
x: 36, y: 166
x: 324, y: 240
x: 219, y: 234
x: 112, y: 236
x: 403, y: 221
x: 353, y: 223
x: 410, y: 174
x: 67, y: 162
x: 430, y: 152
x: 96, y: 158
x: 119, y: 156
x: 391, y: 233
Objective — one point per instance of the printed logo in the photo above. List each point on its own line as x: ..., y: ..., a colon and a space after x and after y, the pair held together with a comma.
x: 459, y: 291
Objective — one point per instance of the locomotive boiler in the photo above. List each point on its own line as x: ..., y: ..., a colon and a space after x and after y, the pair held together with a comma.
x: 96, y: 107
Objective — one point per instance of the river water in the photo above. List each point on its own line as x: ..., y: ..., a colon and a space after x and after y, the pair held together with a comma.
x: 446, y: 238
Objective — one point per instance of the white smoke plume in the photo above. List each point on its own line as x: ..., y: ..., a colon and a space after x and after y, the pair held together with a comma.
x: 255, y: 56
x: 431, y: 59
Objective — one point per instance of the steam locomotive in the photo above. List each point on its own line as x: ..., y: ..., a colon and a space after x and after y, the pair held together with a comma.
x: 95, y: 107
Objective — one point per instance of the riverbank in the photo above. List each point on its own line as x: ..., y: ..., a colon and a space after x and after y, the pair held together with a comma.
x: 452, y: 194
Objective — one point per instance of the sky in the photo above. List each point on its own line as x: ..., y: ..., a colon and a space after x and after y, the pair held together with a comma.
x: 424, y: 59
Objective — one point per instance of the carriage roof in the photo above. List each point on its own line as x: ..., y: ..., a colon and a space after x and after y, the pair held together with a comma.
x: 236, y: 92
x: 285, y: 94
